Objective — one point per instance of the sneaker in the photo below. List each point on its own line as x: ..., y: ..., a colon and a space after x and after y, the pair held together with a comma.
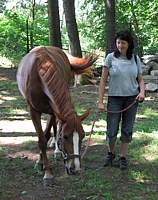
x: 109, y: 158
x: 122, y: 163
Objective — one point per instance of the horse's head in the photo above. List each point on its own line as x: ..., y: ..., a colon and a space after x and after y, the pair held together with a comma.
x: 70, y: 141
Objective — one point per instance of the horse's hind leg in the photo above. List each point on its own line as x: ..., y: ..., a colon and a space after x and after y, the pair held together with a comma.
x: 42, y: 142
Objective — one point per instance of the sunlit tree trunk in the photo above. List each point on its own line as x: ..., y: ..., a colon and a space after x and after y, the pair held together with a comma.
x: 110, y: 25
x: 32, y: 24
x: 71, y: 26
x: 54, y: 24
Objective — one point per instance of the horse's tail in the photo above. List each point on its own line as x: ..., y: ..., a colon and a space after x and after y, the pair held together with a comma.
x: 82, y: 65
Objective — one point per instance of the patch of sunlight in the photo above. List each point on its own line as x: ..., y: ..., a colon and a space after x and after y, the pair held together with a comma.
x: 151, y: 112
x: 142, y: 116
x: 150, y: 150
x: 149, y: 157
x: 3, y: 92
x: 18, y: 126
x: 17, y: 140
x: 1, y: 101
x: 20, y: 111
x: 96, y: 140
x: 9, y: 98
x: 98, y: 126
x: 150, y: 98
x: 137, y: 175
x: 153, y: 134
x: 88, y: 128
x: 4, y: 62
x: 153, y: 147
x: 24, y: 154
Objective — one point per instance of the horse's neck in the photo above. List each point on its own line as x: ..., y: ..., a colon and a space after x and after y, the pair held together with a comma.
x: 56, y: 89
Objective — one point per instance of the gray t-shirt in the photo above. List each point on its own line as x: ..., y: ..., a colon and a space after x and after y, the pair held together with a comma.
x: 122, y: 75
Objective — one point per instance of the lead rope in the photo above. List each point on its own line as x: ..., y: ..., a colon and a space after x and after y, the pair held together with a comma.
x: 95, y: 118
x: 88, y: 140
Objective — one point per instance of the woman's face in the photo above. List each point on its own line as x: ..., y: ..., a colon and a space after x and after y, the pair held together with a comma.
x: 122, y: 46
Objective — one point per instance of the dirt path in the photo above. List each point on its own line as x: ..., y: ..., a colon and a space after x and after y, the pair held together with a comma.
x: 19, y: 152
x: 15, y: 132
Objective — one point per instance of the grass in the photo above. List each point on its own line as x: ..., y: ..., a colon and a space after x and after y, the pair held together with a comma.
x: 139, y: 182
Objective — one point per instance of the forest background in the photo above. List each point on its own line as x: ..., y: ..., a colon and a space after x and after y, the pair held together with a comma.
x: 25, y: 24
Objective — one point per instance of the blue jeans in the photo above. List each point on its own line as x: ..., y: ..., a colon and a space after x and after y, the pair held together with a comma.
x: 116, y: 103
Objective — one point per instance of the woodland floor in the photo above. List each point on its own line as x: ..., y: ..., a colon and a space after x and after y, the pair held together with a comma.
x: 24, y: 182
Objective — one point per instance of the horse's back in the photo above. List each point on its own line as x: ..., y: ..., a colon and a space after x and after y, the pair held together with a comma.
x: 31, y: 62
x: 60, y: 60
x: 24, y: 69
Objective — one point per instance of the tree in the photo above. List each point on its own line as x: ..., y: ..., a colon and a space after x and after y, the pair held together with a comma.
x: 2, y: 5
x: 91, y: 24
x: 110, y: 24
x: 13, y: 22
x: 32, y: 10
x: 72, y: 30
x: 142, y: 17
x: 54, y: 24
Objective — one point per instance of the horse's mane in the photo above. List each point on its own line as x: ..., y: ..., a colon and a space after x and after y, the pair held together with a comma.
x: 55, y: 70
x: 55, y: 86
x: 73, y: 122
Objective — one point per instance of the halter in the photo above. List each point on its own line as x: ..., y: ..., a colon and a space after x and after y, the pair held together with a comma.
x: 65, y: 155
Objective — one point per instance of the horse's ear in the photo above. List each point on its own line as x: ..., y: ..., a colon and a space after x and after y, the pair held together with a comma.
x: 85, y: 114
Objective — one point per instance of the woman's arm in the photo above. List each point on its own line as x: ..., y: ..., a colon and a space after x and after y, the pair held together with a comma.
x: 102, y: 85
x: 141, y: 95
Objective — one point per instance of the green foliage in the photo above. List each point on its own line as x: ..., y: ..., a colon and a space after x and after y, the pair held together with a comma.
x: 2, y: 152
x: 95, y: 182
x: 140, y: 16
x: 13, y: 30
x: 12, y: 37
x: 28, y: 145
x: 91, y: 25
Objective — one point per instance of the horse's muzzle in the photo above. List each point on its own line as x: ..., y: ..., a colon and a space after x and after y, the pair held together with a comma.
x: 72, y: 171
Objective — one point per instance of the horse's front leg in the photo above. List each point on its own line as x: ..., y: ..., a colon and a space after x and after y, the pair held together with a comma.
x: 57, y: 151
x: 42, y: 143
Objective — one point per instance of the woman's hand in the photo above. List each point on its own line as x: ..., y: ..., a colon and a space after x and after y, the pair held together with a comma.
x: 140, y: 97
x: 101, y: 107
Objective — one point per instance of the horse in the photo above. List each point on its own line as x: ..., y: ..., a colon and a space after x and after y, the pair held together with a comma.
x: 43, y: 78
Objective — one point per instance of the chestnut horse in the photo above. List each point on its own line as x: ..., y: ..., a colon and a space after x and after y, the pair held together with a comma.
x: 43, y: 79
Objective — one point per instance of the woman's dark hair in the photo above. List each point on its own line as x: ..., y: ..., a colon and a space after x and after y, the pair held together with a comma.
x: 124, y: 35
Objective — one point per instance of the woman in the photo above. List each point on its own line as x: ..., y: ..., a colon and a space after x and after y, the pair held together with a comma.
x: 125, y: 85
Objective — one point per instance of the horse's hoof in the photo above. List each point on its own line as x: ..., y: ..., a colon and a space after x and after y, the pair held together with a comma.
x: 48, y: 182
x: 38, y: 166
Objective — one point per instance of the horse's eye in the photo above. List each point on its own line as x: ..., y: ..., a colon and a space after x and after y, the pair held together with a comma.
x: 65, y: 137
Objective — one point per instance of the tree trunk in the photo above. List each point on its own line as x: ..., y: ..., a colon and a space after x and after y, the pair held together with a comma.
x: 110, y: 25
x: 54, y: 24
x: 137, y: 39
x: 71, y: 25
x: 27, y: 35
x: 32, y: 24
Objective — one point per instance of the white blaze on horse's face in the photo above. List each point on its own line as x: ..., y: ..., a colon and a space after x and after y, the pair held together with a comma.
x: 76, y: 151
x: 73, y: 163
